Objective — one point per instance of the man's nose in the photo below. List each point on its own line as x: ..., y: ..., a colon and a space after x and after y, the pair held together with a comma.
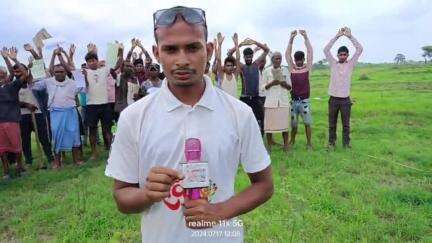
x: 182, y: 59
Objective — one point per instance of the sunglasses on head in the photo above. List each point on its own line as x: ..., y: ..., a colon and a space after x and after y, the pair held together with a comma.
x: 166, y: 17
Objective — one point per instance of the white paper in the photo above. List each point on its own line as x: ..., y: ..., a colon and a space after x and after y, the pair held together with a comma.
x: 111, y: 55
x: 196, y: 175
x: 79, y: 78
x: 38, y: 69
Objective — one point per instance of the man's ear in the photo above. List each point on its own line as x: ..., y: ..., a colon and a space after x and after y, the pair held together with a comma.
x: 156, y: 53
x: 210, y: 49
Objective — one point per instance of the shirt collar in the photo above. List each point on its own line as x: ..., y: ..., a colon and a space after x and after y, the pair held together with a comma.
x: 207, y: 99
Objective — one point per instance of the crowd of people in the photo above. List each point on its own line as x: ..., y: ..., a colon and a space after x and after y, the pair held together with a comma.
x: 64, y: 114
x: 192, y: 111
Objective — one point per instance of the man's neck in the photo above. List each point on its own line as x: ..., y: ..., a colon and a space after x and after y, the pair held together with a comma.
x: 189, y: 95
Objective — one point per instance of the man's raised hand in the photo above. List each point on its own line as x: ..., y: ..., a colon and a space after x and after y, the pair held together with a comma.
x: 72, y: 50
x: 12, y: 53
x: 293, y: 34
x: 28, y: 47
x: 235, y: 39
x: 347, y: 32
x: 303, y: 33
x: 220, y: 38
x: 91, y: 48
x: 4, y: 52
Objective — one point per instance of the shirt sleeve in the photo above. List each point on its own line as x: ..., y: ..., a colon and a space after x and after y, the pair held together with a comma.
x: 253, y: 155
x: 327, y: 52
x: 358, y: 51
x: 123, y: 161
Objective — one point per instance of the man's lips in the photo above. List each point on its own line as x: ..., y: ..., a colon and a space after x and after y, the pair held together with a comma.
x: 182, y: 75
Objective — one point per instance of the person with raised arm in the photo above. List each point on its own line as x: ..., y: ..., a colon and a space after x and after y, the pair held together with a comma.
x: 228, y: 72
x: 10, y: 134
x: 341, y: 70
x: 300, y: 92
x: 96, y: 79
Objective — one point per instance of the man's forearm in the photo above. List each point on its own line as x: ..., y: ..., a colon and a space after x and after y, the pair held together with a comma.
x: 252, y: 197
x: 309, y: 52
x: 263, y: 47
x: 35, y: 54
x: 288, y: 53
x: 131, y: 199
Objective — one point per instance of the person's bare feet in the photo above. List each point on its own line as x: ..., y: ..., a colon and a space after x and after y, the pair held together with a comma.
x: 309, y: 147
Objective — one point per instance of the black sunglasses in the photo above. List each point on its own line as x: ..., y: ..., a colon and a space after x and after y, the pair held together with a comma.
x: 166, y: 17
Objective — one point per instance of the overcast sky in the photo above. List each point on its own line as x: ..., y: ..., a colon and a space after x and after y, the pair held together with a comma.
x: 384, y: 27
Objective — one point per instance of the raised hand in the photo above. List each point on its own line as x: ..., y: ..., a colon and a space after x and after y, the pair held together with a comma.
x: 340, y: 32
x: 4, y: 52
x: 72, y: 50
x: 235, y: 38
x: 138, y: 43
x: 303, y: 33
x: 293, y: 34
x: 220, y: 38
x: 134, y: 43
x: 12, y: 53
x: 28, y: 47
x: 91, y: 48
x: 347, y: 32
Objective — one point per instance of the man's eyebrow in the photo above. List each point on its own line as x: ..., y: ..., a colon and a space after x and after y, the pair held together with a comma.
x: 194, y: 44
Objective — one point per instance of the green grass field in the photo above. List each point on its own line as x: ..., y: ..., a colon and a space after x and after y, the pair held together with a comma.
x: 379, y: 191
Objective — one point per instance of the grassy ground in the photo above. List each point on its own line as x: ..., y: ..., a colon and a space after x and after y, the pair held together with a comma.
x: 378, y: 191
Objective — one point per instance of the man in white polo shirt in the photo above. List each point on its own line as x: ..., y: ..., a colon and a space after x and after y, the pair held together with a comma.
x: 148, y: 150
x: 96, y: 79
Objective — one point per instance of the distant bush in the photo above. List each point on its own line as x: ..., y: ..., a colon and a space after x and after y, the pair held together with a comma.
x: 364, y: 76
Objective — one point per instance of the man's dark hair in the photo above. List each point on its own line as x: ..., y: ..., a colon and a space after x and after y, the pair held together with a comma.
x: 230, y: 59
x: 343, y: 49
x: 138, y: 61
x: 91, y: 55
x: 58, y: 65
x: 17, y: 66
x: 248, y: 51
x: 299, y: 55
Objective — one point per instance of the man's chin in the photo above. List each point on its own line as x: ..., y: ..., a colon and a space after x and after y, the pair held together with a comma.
x: 183, y: 83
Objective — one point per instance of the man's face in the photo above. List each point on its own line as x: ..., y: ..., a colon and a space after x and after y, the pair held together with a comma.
x: 342, y: 56
x: 139, y: 68
x: 153, y: 72
x: 229, y: 67
x: 128, y: 68
x: 19, y: 72
x: 248, y: 59
x: 3, y: 76
x: 299, y: 63
x: 148, y: 61
x: 59, y: 73
x: 92, y: 63
x: 183, y: 52
x: 277, y: 60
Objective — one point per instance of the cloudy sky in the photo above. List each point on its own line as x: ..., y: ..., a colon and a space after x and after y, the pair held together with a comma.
x: 384, y: 27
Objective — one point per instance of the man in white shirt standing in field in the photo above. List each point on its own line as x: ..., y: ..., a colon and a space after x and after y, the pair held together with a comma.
x: 277, y: 105
x: 148, y: 148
